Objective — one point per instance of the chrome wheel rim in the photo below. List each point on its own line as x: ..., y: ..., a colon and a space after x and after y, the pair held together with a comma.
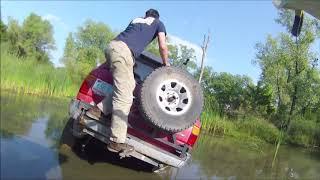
x: 173, y: 97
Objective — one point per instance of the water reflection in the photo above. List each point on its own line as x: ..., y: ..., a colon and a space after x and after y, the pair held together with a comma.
x: 223, y: 157
x: 25, y: 149
x: 29, y: 156
x: 36, y: 144
x: 19, y: 112
x: 95, y: 158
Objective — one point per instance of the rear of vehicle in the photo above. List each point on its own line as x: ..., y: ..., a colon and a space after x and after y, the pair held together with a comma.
x: 152, y: 144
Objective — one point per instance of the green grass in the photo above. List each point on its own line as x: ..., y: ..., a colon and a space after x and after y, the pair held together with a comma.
x: 256, y: 130
x: 304, y: 132
x: 250, y: 129
x: 29, y: 76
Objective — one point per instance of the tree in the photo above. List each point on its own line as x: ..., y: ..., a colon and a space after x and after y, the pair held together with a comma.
x: 206, y: 40
x: 33, y: 39
x: 37, y: 37
x: 287, y: 65
x: 14, y: 32
x: 153, y: 48
x: 178, y: 54
x: 185, y: 58
x: 94, y: 34
x: 69, y: 57
x: 208, y: 77
x: 3, y: 31
x: 260, y: 99
x: 229, y: 91
x: 84, y: 49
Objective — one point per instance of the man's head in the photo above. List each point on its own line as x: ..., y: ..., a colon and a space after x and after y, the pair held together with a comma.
x: 152, y: 13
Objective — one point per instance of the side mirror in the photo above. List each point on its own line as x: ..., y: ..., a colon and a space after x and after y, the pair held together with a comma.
x: 297, y: 24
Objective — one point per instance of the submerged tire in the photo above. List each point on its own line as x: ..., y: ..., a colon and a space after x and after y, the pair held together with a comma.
x: 67, y: 139
x: 76, y: 129
x: 171, y: 99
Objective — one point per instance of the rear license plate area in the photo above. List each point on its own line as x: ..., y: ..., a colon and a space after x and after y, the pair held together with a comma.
x: 102, y: 88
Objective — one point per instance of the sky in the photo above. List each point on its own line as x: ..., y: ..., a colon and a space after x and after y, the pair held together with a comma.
x: 235, y: 26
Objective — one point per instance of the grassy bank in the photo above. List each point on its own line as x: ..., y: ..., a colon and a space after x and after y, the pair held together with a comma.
x: 29, y: 76
x: 255, y: 130
x: 247, y: 129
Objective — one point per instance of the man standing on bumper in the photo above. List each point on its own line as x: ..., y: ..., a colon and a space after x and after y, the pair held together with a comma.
x: 120, y: 55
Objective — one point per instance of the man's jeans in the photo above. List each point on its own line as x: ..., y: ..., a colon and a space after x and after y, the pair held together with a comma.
x: 120, y: 60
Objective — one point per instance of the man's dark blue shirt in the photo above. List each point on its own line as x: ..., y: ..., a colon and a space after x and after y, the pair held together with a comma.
x: 140, y: 32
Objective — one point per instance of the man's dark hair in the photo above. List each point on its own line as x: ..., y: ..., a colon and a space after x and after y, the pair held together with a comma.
x: 152, y: 13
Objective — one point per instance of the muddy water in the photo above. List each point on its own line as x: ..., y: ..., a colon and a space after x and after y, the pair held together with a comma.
x: 31, y: 129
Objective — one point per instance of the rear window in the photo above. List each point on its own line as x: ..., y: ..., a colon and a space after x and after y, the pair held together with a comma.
x: 142, y: 70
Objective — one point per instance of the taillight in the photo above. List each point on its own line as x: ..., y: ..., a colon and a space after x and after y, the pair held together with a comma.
x: 195, y: 130
x: 86, y: 84
x: 194, y: 135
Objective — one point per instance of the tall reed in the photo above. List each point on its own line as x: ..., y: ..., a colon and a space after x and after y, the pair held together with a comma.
x: 30, y: 76
x: 251, y: 129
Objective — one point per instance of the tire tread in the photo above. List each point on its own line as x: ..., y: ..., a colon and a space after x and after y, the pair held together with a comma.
x: 143, y: 102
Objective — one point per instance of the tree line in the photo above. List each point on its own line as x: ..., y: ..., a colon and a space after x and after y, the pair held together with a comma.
x: 34, y: 38
x: 287, y: 93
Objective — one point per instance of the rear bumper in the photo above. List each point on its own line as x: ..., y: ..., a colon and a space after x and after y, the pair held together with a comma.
x: 143, y: 150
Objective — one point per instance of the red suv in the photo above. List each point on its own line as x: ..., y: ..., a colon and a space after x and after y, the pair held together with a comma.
x: 163, y: 124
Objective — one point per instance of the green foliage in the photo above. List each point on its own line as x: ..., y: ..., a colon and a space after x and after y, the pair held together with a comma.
x: 29, y: 76
x: 290, y: 68
x: 234, y: 95
x: 69, y: 57
x: 19, y: 112
x: 250, y: 129
x: 183, y: 53
x: 3, y: 31
x: 37, y: 37
x: 34, y: 39
x: 85, y: 48
x: 178, y: 54
x: 153, y: 48
x: 304, y: 132
x: 260, y: 97
x: 16, y: 122
x: 230, y: 92
x: 94, y: 34
x: 15, y: 38
x: 259, y: 128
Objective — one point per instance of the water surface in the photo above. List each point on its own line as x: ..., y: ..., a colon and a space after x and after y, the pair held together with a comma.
x: 31, y: 129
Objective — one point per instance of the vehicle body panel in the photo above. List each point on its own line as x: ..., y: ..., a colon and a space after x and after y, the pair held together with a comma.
x: 176, y: 145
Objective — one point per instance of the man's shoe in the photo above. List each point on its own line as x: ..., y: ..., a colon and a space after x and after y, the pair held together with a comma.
x: 94, y: 113
x: 119, y: 147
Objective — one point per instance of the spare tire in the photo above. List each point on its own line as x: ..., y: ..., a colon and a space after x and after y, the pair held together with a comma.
x: 171, y: 99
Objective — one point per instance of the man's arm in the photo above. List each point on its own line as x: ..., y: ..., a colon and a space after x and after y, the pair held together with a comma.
x: 163, y: 49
